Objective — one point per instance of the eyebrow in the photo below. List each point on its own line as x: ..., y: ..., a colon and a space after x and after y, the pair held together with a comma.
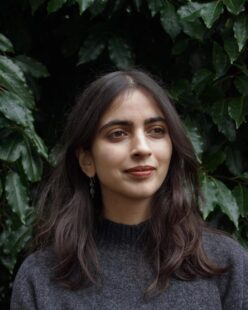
x: 129, y: 123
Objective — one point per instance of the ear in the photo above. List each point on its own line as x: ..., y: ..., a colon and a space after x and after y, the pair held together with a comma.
x: 86, y: 162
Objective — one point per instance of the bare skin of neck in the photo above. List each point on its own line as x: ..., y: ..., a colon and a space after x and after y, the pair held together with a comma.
x: 126, y: 210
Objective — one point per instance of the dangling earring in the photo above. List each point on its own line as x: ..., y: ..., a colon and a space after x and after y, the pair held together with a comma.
x: 92, y: 187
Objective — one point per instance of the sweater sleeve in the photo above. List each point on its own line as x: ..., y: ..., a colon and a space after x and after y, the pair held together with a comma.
x: 23, y: 294
x: 245, y: 291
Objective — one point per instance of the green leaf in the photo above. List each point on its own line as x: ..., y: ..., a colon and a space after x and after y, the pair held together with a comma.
x: 4, y: 123
x: 155, y: 6
x: 234, y: 6
x: 35, y: 4
x: 209, y: 191
x: 210, y: 12
x: 12, y: 241
x: 16, y: 195
x: 31, y: 163
x: 241, y: 83
x: 120, y: 53
x: 219, y: 114
x: 212, y: 160
x: 31, y: 66
x: 220, y: 60
x: 180, y: 46
x: 170, y: 20
x: 243, y: 68
x: 11, y: 147
x: 55, y: 5
x: 84, y: 4
x: 227, y: 202
x: 1, y: 188
x: 5, y: 44
x: 231, y: 47
x: 238, y: 109
x: 190, y: 12
x: 91, y: 49
x: 201, y: 79
x: 234, y: 161
x: 240, y: 29
x: 241, y: 194
x: 193, y: 29
x: 12, y: 108
x: 12, y: 78
x: 37, y: 142
x: 195, y: 137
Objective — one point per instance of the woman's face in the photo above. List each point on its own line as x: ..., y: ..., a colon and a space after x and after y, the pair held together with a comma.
x: 132, y: 148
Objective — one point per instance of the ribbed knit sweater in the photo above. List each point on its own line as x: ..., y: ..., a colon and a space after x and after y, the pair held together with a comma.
x: 126, y: 274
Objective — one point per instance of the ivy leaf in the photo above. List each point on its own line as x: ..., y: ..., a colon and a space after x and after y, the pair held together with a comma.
x: 91, y: 49
x: 231, y: 47
x: 31, y: 66
x: 241, y: 83
x: 241, y: 194
x: 120, y: 53
x: 154, y: 6
x: 238, y: 109
x: 35, y: 4
x: 12, y: 78
x: 209, y: 191
x: 227, y: 202
x: 169, y: 20
x: 234, y: 6
x: 240, y: 29
x: 195, y: 137
x: 84, y: 4
x: 1, y: 188
x: 16, y: 195
x: 219, y: 114
x: 220, y: 60
x: 243, y: 68
x: 190, y: 12
x: 37, y: 142
x: 201, y: 79
x: 180, y: 46
x: 210, y: 12
x: 212, y: 160
x: 55, y: 5
x: 234, y: 161
x: 12, y: 108
x: 31, y: 163
x: 11, y: 147
x: 5, y: 44
x: 193, y: 29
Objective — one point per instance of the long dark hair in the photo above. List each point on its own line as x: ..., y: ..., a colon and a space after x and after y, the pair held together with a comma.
x: 68, y: 217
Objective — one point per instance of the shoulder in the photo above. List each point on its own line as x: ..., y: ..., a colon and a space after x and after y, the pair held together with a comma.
x: 223, y: 248
x: 40, y: 263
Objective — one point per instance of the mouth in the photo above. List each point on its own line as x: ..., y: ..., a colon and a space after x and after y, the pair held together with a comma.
x: 140, y: 171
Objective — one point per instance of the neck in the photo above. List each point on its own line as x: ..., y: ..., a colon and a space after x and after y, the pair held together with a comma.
x: 125, y: 210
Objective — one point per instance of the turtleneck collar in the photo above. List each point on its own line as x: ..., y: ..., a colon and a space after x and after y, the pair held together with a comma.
x: 115, y: 233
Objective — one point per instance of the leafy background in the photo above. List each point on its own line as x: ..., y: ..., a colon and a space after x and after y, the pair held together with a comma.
x: 49, y: 50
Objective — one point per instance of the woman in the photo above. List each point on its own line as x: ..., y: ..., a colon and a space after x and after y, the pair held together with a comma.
x: 119, y: 226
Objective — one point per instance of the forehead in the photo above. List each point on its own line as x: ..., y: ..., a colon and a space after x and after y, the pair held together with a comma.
x: 133, y: 104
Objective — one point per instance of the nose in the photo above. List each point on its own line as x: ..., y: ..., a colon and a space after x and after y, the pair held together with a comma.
x: 140, y: 146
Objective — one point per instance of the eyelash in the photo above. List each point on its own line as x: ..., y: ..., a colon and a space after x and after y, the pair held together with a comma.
x: 120, y: 133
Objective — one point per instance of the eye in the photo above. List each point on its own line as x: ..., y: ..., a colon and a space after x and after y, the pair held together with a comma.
x: 157, y: 131
x: 117, y: 134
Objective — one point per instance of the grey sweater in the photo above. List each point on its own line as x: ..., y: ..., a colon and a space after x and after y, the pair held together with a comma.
x: 126, y: 274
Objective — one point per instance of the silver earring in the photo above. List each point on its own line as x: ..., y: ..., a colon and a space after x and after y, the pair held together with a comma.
x: 92, y: 187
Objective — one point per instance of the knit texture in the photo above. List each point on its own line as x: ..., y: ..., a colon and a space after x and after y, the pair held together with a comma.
x: 126, y: 274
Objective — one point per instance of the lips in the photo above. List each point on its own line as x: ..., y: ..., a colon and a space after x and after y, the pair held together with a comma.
x: 141, y: 171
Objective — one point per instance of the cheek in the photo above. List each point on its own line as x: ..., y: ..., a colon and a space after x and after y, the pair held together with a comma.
x: 108, y: 157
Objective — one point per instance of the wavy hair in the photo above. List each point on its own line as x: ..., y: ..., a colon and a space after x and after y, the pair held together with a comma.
x: 68, y: 217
